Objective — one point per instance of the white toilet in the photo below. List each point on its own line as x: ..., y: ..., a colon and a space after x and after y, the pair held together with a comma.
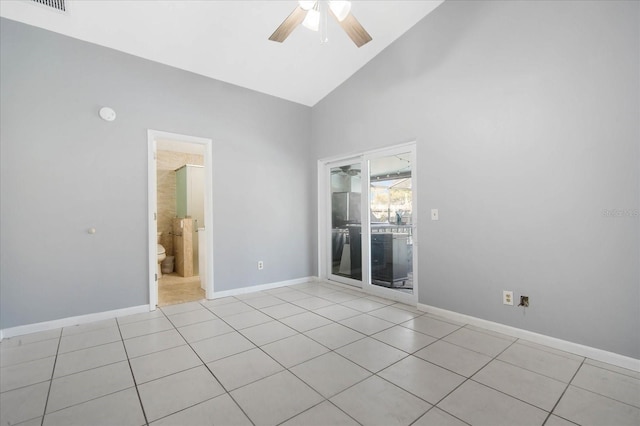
x: 161, y: 256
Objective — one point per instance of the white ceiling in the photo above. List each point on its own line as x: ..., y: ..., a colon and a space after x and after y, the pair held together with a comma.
x: 228, y: 40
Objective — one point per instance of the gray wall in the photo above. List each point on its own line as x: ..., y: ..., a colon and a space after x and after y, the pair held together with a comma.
x: 526, y: 120
x: 64, y: 170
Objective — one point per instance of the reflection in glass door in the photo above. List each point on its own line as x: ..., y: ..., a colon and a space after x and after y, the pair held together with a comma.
x: 346, y: 228
x: 391, y: 221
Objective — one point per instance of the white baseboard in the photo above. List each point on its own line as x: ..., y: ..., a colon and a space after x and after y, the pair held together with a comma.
x: 66, y: 322
x: 261, y: 287
x: 98, y: 316
x: 563, y: 345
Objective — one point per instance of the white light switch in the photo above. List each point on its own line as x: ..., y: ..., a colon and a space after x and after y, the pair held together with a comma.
x: 434, y: 214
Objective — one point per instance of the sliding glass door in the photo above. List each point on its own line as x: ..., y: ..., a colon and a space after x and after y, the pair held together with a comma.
x: 390, y: 229
x: 370, y: 222
x: 345, y: 218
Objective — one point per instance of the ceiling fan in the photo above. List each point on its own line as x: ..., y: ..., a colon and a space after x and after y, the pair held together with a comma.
x: 345, y: 171
x: 313, y: 15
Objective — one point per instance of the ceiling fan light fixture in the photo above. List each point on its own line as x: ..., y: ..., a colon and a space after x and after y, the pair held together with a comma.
x: 340, y: 9
x: 312, y: 20
x: 307, y: 4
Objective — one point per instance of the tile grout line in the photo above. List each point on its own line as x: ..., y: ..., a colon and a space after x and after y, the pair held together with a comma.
x: 288, y: 369
x: 538, y: 373
x: 259, y: 347
x: 466, y: 378
x: 503, y: 392
x: 371, y: 373
x: 133, y: 377
x: 254, y: 309
x: 365, y: 335
x: 44, y: 412
x: 563, y: 392
x: 209, y: 370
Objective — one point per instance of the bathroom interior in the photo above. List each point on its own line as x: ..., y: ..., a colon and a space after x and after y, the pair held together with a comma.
x: 180, y: 221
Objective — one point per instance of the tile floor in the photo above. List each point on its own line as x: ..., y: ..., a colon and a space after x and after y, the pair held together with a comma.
x: 308, y: 354
x: 173, y: 289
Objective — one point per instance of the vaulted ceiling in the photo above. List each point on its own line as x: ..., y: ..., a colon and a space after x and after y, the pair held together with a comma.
x: 228, y: 40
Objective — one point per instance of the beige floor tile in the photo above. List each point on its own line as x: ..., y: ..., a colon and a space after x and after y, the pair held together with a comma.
x: 609, y: 383
x: 337, y: 312
x: 26, y: 373
x: 313, y: 302
x: 323, y: 414
x: 163, y: 363
x: 23, y: 403
x: 363, y: 304
x: 536, y: 389
x: 244, y: 368
x: 540, y: 361
x: 275, y: 399
x: 371, y: 354
x: 393, y: 314
x: 204, y: 330
x: 453, y: 357
x: 221, y: 410
x: 263, y: 302
x: 89, y: 339
x: 144, y: 316
x: 590, y: 409
x: 268, y: 332
x: 282, y: 310
x: 86, y: 359
x: 431, y: 326
x: 84, y: 386
x: 221, y: 346
x: 437, y: 417
x: 305, y: 321
x: 479, y: 405
x: 120, y: 408
x: 294, y: 350
x: 404, y: 339
x: 366, y: 324
x: 90, y: 326
x: 191, y: 317
x: 25, y: 339
x: 178, y: 391
x: 149, y: 343
x: 247, y: 319
x: 334, y: 335
x: 29, y: 352
x: 330, y: 373
x: 174, y: 290
x: 421, y: 378
x: 479, y: 342
x: 141, y: 328
x: 375, y: 401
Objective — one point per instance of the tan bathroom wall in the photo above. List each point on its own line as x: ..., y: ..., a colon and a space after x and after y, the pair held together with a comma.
x: 167, y: 163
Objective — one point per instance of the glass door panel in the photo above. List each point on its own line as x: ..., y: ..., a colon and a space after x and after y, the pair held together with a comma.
x: 391, y: 222
x: 345, y: 257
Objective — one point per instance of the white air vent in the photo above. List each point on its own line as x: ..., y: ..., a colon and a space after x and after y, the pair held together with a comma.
x: 59, y: 5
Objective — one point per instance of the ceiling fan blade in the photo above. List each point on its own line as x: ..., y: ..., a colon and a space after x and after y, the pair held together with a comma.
x: 288, y: 25
x: 354, y: 30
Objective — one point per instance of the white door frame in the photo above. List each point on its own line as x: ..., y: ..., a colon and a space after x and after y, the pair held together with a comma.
x: 324, y: 219
x: 152, y: 136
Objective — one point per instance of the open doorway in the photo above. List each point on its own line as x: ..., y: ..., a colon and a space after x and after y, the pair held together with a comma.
x: 180, y: 237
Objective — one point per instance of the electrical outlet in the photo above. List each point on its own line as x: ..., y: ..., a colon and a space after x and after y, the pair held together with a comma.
x: 507, y: 297
x: 260, y: 265
x: 524, y: 301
